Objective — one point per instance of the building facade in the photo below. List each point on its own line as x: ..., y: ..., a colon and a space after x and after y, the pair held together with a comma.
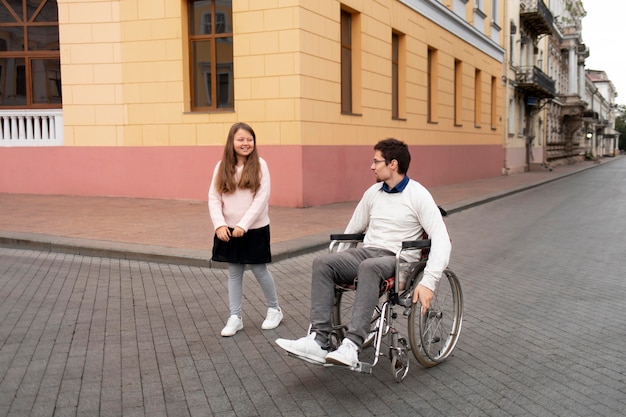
x: 551, y: 98
x: 135, y: 98
x: 600, y: 116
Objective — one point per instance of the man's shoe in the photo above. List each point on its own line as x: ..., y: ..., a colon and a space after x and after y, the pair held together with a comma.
x: 305, y: 347
x: 347, y: 354
x: 233, y: 325
x: 273, y: 318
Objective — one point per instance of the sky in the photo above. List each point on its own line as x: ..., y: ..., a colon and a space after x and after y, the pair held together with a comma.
x: 603, y: 33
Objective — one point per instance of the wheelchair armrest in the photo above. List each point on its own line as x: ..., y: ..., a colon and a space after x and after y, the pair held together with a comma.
x: 416, y: 244
x: 351, y: 236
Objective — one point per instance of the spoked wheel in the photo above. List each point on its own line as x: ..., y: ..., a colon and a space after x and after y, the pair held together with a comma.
x: 433, y: 336
x: 342, y: 313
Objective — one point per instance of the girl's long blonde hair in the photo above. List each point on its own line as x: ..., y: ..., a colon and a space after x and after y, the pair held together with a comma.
x: 251, y: 174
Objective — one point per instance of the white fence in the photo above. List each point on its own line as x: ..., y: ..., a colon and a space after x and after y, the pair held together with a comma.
x: 31, y: 127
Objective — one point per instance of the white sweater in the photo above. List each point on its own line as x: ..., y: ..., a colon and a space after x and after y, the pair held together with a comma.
x: 388, y: 219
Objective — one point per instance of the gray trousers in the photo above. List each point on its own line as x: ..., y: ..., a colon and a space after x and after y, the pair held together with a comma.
x: 370, y: 265
x: 235, y: 286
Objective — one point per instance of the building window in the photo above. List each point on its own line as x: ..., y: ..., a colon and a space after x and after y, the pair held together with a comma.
x: 494, y: 11
x: 30, y: 65
x: 398, y: 76
x: 211, y: 54
x: 346, y: 62
x: 394, y: 75
x: 432, y: 86
x: 458, y: 93
x: 477, y: 97
x: 350, y: 27
x: 494, y: 98
x: 511, y: 121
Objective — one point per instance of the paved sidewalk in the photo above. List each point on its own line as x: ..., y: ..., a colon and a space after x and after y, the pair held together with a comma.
x: 180, y: 232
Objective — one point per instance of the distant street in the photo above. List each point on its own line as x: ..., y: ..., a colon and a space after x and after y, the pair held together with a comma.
x: 544, y: 331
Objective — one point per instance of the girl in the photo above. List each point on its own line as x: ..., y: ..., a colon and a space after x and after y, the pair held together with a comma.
x: 238, y: 205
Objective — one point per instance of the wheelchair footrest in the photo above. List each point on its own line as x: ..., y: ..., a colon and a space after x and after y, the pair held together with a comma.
x: 362, y: 367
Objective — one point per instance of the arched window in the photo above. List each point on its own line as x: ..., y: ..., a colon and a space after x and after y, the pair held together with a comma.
x: 30, y: 65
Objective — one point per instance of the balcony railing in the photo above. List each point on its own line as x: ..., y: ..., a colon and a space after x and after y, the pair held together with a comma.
x: 31, y: 127
x: 535, y: 82
x: 536, y: 17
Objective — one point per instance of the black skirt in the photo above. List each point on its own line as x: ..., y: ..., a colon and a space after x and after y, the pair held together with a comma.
x: 252, y: 248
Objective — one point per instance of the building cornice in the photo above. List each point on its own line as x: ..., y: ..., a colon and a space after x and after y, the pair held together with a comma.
x: 439, y: 14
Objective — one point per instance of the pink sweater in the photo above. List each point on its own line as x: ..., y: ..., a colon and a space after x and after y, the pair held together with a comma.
x: 242, y: 208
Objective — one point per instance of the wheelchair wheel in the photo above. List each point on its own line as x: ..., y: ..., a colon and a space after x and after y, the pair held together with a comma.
x: 342, y: 313
x: 433, y: 336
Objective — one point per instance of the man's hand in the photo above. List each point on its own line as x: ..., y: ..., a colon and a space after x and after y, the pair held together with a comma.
x: 424, y: 296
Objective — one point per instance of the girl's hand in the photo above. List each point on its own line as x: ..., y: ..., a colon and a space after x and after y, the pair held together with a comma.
x: 223, y: 233
x: 238, y: 232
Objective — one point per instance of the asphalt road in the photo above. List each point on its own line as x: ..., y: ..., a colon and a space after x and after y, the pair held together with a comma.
x: 543, y: 333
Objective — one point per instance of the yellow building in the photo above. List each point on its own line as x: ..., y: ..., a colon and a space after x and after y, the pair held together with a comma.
x: 135, y: 97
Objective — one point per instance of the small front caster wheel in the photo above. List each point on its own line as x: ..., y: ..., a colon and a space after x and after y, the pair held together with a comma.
x: 400, y: 361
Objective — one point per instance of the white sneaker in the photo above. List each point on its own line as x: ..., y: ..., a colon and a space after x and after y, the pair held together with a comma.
x: 273, y: 318
x: 306, y: 347
x: 233, y: 325
x: 347, y: 354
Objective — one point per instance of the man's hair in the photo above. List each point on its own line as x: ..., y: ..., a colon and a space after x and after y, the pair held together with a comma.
x: 395, y: 149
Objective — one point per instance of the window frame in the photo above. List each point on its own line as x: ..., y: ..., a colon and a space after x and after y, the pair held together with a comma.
x: 478, y: 97
x: 50, y: 58
x: 346, y: 62
x: 458, y: 92
x: 207, y: 78
x: 432, y: 87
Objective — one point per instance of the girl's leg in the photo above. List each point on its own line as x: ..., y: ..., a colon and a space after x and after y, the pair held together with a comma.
x: 266, y: 281
x: 235, y: 288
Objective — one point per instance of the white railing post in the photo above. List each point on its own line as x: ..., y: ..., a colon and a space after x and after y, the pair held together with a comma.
x: 6, y: 128
x: 21, y: 126
x: 29, y: 126
x: 37, y: 126
x: 44, y: 128
x: 52, y: 128
x: 14, y: 130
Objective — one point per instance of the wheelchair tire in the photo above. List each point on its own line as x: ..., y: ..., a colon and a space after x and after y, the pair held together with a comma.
x: 433, y: 336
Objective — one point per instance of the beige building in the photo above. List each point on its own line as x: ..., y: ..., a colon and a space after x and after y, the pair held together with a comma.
x: 602, y: 138
x: 550, y: 104
x: 135, y: 97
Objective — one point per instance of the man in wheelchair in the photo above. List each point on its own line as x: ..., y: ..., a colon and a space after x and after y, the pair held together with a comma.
x: 399, y: 210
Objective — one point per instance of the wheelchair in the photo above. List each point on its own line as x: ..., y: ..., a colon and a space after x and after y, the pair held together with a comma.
x: 431, y: 337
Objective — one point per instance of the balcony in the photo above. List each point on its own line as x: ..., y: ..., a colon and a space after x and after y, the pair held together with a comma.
x: 572, y: 105
x: 31, y: 127
x: 534, y: 82
x: 536, y: 17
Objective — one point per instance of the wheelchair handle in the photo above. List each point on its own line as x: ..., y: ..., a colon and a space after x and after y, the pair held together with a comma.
x: 416, y: 244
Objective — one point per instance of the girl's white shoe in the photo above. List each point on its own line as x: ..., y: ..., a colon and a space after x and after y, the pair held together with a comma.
x: 273, y: 319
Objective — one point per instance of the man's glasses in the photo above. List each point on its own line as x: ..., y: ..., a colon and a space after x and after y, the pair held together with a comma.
x: 378, y: 161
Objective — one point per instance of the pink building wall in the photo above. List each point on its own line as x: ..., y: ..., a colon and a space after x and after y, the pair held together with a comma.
x: 302, y: 176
